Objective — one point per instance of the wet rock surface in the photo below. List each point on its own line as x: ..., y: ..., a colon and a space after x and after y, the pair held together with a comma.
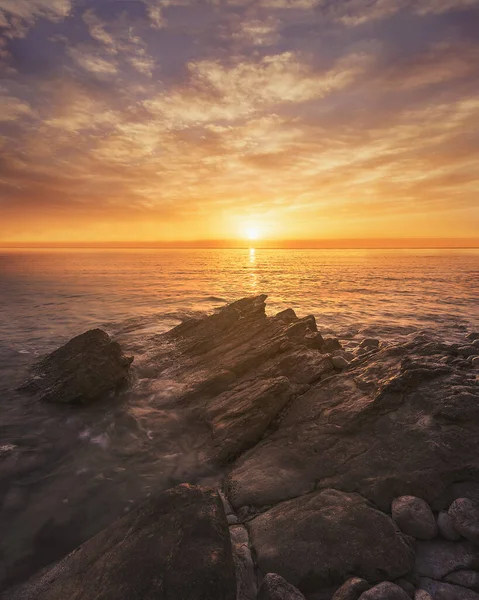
x: 313, y: 455
x: 88, y: 368
x: 174, y: 546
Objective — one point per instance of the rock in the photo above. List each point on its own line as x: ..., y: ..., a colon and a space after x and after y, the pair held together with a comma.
x: 461, y: 489
x: 475, y: 361
x: 445, y: 591
x: 246, y: 584
x: 414, y: 517
x: 472, y: 337
x: 348, y: 433
x: 369, y: 343
x: 329, y: 535
x: 88, y: 368
x: 407, y: 586
x: 438, y: 558
x: 274, y: 587
x: 422, y: 595
x: 476, y: 343
x: 467, y: 579
x: 339, y: 363
x: 352, y: 589
x: 446, y: 527
x: 464, y: 514
x: 385, y: 591
x: 232, y: 519
x: 466, y: 351
x: 175, y: 545
x: 288, y: 315
x: 331, y: 344
x: 314, y: 340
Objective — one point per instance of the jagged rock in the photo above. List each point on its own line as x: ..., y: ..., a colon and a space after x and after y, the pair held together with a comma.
x: 274, y: 587
x: 445, y: 591
x: 331, y: 344
x: 352, y: 589
x: 318, y: 539
x: 446, y: 527
x: 288, y: 315
x: 385, y: 591
x: 464, y: 514
x: 467, y: 579
x: 88, y: 368
x: 378, y: 429
x: 414, y: 517
x: 422, y: 595
x: 173, y: 546
x: 438, y: 558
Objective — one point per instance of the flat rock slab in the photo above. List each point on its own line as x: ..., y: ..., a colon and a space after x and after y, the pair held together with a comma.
x: 88, y: 368
x: 175, y: 546
x: 398, y: 422
x: 323, y: 538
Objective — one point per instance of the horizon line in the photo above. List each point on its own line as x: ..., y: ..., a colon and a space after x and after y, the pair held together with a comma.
x: 236, y: 244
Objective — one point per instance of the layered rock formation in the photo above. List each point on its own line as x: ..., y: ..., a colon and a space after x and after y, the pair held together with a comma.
x: 357, y: 478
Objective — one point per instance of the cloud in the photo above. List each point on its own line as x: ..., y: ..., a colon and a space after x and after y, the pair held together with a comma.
x: 12, y: 108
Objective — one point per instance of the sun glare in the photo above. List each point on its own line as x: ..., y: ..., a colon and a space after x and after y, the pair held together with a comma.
x: 253, y: 233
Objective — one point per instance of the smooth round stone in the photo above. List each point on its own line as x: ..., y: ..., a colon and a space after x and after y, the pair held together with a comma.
x: 464, y: 514
x: 468, y: 579
x: 446, y: 527
x: 385, y: 591
x: 352, y: 589
x: 414, y: 517
x: 274, y: 587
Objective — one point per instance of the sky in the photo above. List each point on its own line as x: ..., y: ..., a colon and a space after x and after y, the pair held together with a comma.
x: 170, y: 120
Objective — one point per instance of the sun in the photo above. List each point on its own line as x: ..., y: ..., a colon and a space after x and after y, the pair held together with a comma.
x: 252, y: 232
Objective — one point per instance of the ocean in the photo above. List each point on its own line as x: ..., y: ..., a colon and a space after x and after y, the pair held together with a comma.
x: 66, y: 472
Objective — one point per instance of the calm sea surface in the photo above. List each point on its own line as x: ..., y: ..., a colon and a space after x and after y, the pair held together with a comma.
x: 65, y: 473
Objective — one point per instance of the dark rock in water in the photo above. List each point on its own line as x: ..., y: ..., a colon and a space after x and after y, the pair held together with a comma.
x: 317, y: 539
x: 438, y: 558
x: 352, y: 589
x: 174, y: 546
x: 468, y: 579
x: 468, y: 351
x: 414, y: 517
x: 88, y: 368
x: 464, y: 514
x: 274, y: 587
x: 445, y: 591
x: 385, y: 591
x: 472, y: 337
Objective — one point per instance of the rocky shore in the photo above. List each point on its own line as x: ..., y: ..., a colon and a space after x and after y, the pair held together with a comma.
x: 350, y: 472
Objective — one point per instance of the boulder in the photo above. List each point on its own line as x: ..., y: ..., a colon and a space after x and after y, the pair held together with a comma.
x: 288, y: 315
x: 331, y: 344
x: 88, y: 368
x: 467, y: 579
x: 320, y: 538
x: 438, y: 558
x: 385, y: 591
x: 369, y: 343
x: 439, y: 590
x: 351, y: 589
x: 464, y: 514
x: 446, y: 527
x: 414, y: 517
x: 175, y: 545
x: 274, y: 587
x: 407, y: 586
